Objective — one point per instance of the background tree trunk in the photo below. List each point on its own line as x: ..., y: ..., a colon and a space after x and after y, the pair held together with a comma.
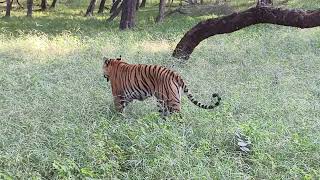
x: 101, y: 7
x: 128, y: 14
x: 264, y: 3
x: 114, y: 6
x: 137, y: 5
x: 91, y: 8
x: 115, y: 13
x: 53, y: 5
x: 143, y: 4
x: 8, y: 8
x: 29, y: 7
x: 236, y: 21
x: 162, y: 6
x: 43, y: 5
x: 191, y: 1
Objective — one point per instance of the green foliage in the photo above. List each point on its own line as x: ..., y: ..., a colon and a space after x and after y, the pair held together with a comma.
x: 58, y: 121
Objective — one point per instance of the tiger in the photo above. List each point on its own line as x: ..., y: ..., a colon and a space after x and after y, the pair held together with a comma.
x: 139, y: 81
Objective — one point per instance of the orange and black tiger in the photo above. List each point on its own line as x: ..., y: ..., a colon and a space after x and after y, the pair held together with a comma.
x: 140, y: 81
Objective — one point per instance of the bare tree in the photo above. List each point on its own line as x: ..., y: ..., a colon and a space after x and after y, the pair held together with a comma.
x: 162, y: 6
x: 128, y: 14
x: 43, y: 5
x: 101, y: 6
x: 29, y: 7
x: 53, y: 5
x: 8, y: 8
x: 91, y: 8
x: 236, y: 21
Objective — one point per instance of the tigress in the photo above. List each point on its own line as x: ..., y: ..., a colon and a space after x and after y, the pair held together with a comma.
x: 140, y: 81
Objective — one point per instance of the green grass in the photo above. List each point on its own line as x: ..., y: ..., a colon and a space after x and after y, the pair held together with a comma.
x: 57, y: 120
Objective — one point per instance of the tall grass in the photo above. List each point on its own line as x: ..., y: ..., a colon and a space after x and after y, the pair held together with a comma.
x: 58, y: 122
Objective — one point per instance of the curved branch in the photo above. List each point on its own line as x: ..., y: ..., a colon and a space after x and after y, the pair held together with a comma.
x: 236, y: 21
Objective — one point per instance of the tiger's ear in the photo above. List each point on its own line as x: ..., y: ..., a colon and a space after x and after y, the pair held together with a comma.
x: 119, y: 59
x: 106, y: 60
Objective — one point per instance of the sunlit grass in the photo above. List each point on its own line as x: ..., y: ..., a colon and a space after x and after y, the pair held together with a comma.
x: 57, y: 120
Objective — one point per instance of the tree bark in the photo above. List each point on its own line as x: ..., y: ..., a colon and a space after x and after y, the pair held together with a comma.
x: 236, y: 21
x: 43, y: 5
x: 143, y: 4
x: 101, y: 6
x: 162, y: 9
x: 91, y: 8
x: 20, y: 6
x: 29, y: 7
x: 128, y: 14
x: 264, y: 3
x: 53, y: 5
x: 8, y: 8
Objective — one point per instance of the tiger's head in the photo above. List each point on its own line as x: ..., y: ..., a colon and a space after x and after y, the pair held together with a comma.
x: 106, y: 66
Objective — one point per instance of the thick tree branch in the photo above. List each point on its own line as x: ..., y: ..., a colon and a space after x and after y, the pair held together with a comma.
x: 236, y: 21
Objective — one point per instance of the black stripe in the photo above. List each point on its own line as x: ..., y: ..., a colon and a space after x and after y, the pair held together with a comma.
x: 135, y: 80
x: 145, y: 86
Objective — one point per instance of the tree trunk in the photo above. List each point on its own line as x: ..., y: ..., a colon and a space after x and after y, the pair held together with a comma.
x: 115, y: 13
x: 101, y: 7
x: 91, y: 8
x: 264, y: 3
x: 137, y: 5
x: 8, y: 8
x: 53, y: 5
x: 190, y: 1
x: 236, y: 21
x: 29, y: 7
x: 114, y: 6
x: 128, y: 14
x: 162, y: 6
x: 143, y: 4
x: 43, y: 5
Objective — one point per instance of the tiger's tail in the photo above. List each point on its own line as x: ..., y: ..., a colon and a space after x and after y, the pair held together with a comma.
x: 199, y: 104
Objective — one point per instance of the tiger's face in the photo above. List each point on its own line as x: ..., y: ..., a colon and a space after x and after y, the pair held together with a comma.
x: 106, y: 67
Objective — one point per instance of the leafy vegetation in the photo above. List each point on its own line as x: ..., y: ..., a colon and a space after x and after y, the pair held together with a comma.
x: 58, y: 122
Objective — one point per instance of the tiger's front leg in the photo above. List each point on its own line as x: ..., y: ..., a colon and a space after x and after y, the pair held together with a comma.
x: 120, y: 103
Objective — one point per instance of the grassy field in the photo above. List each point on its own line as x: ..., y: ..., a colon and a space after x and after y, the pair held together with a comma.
x: 57, y: 120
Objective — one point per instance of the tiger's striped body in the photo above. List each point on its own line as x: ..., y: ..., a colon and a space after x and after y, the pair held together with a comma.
x: 140, y: 81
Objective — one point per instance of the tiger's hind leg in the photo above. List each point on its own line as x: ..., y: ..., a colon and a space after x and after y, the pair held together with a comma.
x: 174, y: 101
x: 163, y: 109
x: 168, y: 107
